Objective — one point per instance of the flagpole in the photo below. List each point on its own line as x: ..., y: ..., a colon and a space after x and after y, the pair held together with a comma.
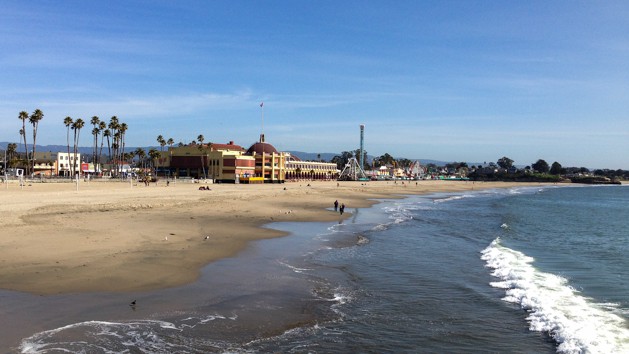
x: 262, y: 110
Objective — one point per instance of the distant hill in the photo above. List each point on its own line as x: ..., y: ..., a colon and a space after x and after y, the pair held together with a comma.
x: 62, y: 148
x: 327, y: 156
x: 306, y: 156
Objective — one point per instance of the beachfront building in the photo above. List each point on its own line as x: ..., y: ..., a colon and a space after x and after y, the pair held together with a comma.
x: 270, y: 164
x: 225, y: 163
x: 65, y: 162
x: 45, y: 164
x: 230, y: 163
x: 296, y: 169
x: 55, y: 163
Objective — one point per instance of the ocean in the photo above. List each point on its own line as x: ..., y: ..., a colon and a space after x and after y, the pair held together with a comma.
x: 521, y: 270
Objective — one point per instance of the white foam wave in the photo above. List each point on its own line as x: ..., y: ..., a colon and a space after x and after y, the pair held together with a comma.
x: 380, y: 227
x: 293, y: 268
x: 453, y: 197
x: 576, y: 322
x: 362, y: 240
x: 400, y: 213
x: 114, y: 337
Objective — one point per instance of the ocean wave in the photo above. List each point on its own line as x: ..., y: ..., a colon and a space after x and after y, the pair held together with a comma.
x: 576, y: 322
x: 146, y: 336
x: 453, y: 197
x: 293, y: 268
x: 400, y: 213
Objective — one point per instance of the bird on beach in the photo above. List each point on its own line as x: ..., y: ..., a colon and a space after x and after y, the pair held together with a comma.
x: 132, y: 304
x: 207, y: 238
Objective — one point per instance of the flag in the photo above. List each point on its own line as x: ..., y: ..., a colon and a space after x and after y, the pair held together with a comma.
x: 261, y: 104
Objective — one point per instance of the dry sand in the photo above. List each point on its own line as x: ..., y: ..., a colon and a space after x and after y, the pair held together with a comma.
x: 112, y: 236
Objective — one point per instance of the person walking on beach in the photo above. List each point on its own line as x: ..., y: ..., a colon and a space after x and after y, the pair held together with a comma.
x: 336, y: 205
x: 342, y: 209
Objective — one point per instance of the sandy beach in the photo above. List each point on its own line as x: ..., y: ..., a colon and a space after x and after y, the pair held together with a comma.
x: 119, y: 237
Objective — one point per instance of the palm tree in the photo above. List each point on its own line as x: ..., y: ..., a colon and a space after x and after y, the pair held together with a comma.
x: 95, y: 132
x: 37, y: 116
x: 115, y: 145
x: 128, y: 156
x: 154, y: 155
x: 76, y: 126
x: 139, y: 152
x: 11, y: 150
x: 102, y: 126
x: 123, y: 132
x: 23, y: 116
x: 114, y: 125
x: 170, y: 142
x: 107, y: 134
x: 68, y: 123
x: 21, y: 135
x: 95, y: 122
x: 200, y: 139
x: 161, y: 141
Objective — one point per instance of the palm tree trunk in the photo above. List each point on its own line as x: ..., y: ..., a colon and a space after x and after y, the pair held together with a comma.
x: 28, y: 161
x: 100, y: 153
x: 72, y: 162
x: 68, y: 141
x: 34, y: 142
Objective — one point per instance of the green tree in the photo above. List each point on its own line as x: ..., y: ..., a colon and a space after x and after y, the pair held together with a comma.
x: 505, y: 162
x: 357, y: 154
x: 384, y: 160
x: 555, y: 169
x: 541, y: 166
x: 342, y: 160
x: 404, y: 163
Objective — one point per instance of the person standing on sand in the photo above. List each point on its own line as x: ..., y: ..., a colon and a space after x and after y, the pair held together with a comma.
x: 336, y: 205
x: 342, y: 209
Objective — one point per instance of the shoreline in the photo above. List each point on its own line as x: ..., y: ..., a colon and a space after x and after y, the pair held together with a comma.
x: 111, y: 237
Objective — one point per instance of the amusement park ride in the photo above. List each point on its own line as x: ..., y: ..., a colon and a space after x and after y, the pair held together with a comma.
x: 353, y: 170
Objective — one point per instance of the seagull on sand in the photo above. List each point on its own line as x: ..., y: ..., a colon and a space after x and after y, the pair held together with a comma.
x: 132, y: 304
x: 207, y: 238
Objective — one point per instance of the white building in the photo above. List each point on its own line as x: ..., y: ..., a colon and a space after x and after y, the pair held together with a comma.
x: 65, y: 161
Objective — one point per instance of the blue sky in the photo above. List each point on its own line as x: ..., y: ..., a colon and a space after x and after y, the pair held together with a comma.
x: 448, y: 80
